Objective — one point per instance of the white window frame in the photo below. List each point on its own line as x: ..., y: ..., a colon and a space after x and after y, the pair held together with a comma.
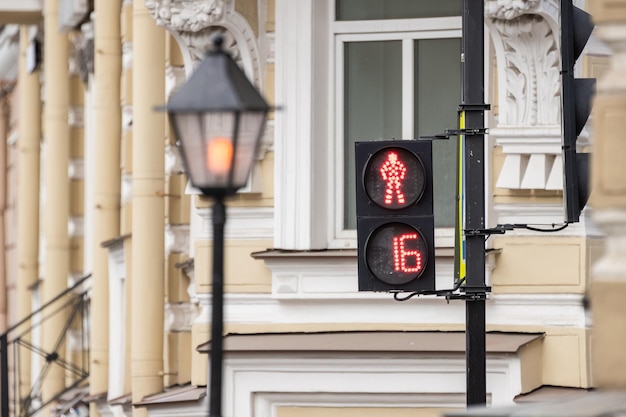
x: 308, y: 199
x: 407, y: 31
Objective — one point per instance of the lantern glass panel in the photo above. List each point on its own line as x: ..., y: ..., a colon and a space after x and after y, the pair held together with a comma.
x: 251, y: 127
x: 211, y: 136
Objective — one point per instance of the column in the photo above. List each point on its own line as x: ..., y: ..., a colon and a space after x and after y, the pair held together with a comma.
x: 107, y: 180
x: 148, y: 206
x: 29, y: 114
x: 56, y: 183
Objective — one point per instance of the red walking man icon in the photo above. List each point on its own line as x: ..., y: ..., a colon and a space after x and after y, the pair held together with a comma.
x: 393, y: 172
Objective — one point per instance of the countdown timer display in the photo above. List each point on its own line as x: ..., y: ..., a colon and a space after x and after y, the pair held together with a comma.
x: 396, y: 253
x: 394, y: 178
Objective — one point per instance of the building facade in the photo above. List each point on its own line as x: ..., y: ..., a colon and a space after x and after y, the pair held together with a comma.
x: 94, y: 193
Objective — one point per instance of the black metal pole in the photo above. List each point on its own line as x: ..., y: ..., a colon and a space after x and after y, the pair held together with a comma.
x: 217, y: 318
x: 4, y: 375
x: 474, y: 106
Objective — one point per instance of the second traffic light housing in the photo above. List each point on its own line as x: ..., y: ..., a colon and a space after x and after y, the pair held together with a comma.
x: 576, y: 96
x: 395, y: 222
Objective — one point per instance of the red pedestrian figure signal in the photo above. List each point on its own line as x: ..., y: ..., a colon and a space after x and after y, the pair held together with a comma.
x: 393, y: 172
x: 394, y: 178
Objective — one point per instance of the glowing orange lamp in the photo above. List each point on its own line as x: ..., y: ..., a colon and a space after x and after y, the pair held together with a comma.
x: 219, y: 155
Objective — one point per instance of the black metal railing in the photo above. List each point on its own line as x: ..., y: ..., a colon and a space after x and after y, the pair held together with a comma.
x: 21, y: 354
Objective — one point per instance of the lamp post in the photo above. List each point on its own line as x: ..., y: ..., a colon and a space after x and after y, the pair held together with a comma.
x: 218, y: 118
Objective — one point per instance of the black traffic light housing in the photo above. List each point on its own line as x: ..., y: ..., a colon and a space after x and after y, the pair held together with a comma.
x: 395, y: 222
x: 576, y: 96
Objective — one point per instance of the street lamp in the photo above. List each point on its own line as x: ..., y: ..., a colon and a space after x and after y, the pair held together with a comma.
x: 218, y: 118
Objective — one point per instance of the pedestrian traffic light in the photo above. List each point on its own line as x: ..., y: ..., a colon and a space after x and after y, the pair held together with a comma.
x: 576, y: 95
x: 395, y: 223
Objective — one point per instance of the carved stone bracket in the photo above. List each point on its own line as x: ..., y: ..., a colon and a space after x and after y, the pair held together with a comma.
x: 193, y: 23
x: 525, y: 36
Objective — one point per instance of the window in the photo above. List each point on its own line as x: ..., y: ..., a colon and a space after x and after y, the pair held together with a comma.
x: 397, y: 75
x: 350, y: 70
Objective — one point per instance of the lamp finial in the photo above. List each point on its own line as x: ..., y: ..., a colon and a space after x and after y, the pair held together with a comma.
x: 218, y: 41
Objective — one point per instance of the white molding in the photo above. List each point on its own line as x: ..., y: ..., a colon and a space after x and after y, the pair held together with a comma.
x: 528, y: 139
x: 331, y: 277
x: 242, y: 223
x: 529, y: 310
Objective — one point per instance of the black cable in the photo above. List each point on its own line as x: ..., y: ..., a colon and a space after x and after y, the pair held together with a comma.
x: 438, y: 293
x: 555, y: 227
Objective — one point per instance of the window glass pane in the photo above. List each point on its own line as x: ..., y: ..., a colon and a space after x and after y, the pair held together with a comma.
x: 396, y: 9
x: 372, y: 104
x: 437, y: 95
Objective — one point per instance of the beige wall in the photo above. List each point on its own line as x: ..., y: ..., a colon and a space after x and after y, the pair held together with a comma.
x: 243, y: 273
x: 538, y: 264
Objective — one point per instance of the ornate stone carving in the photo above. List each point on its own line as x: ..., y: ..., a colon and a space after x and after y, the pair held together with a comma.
x: 508, y: 9
x: 525, y: 37
x: 194, y: 22
x: 186, y: 16
x: 528, y: 62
